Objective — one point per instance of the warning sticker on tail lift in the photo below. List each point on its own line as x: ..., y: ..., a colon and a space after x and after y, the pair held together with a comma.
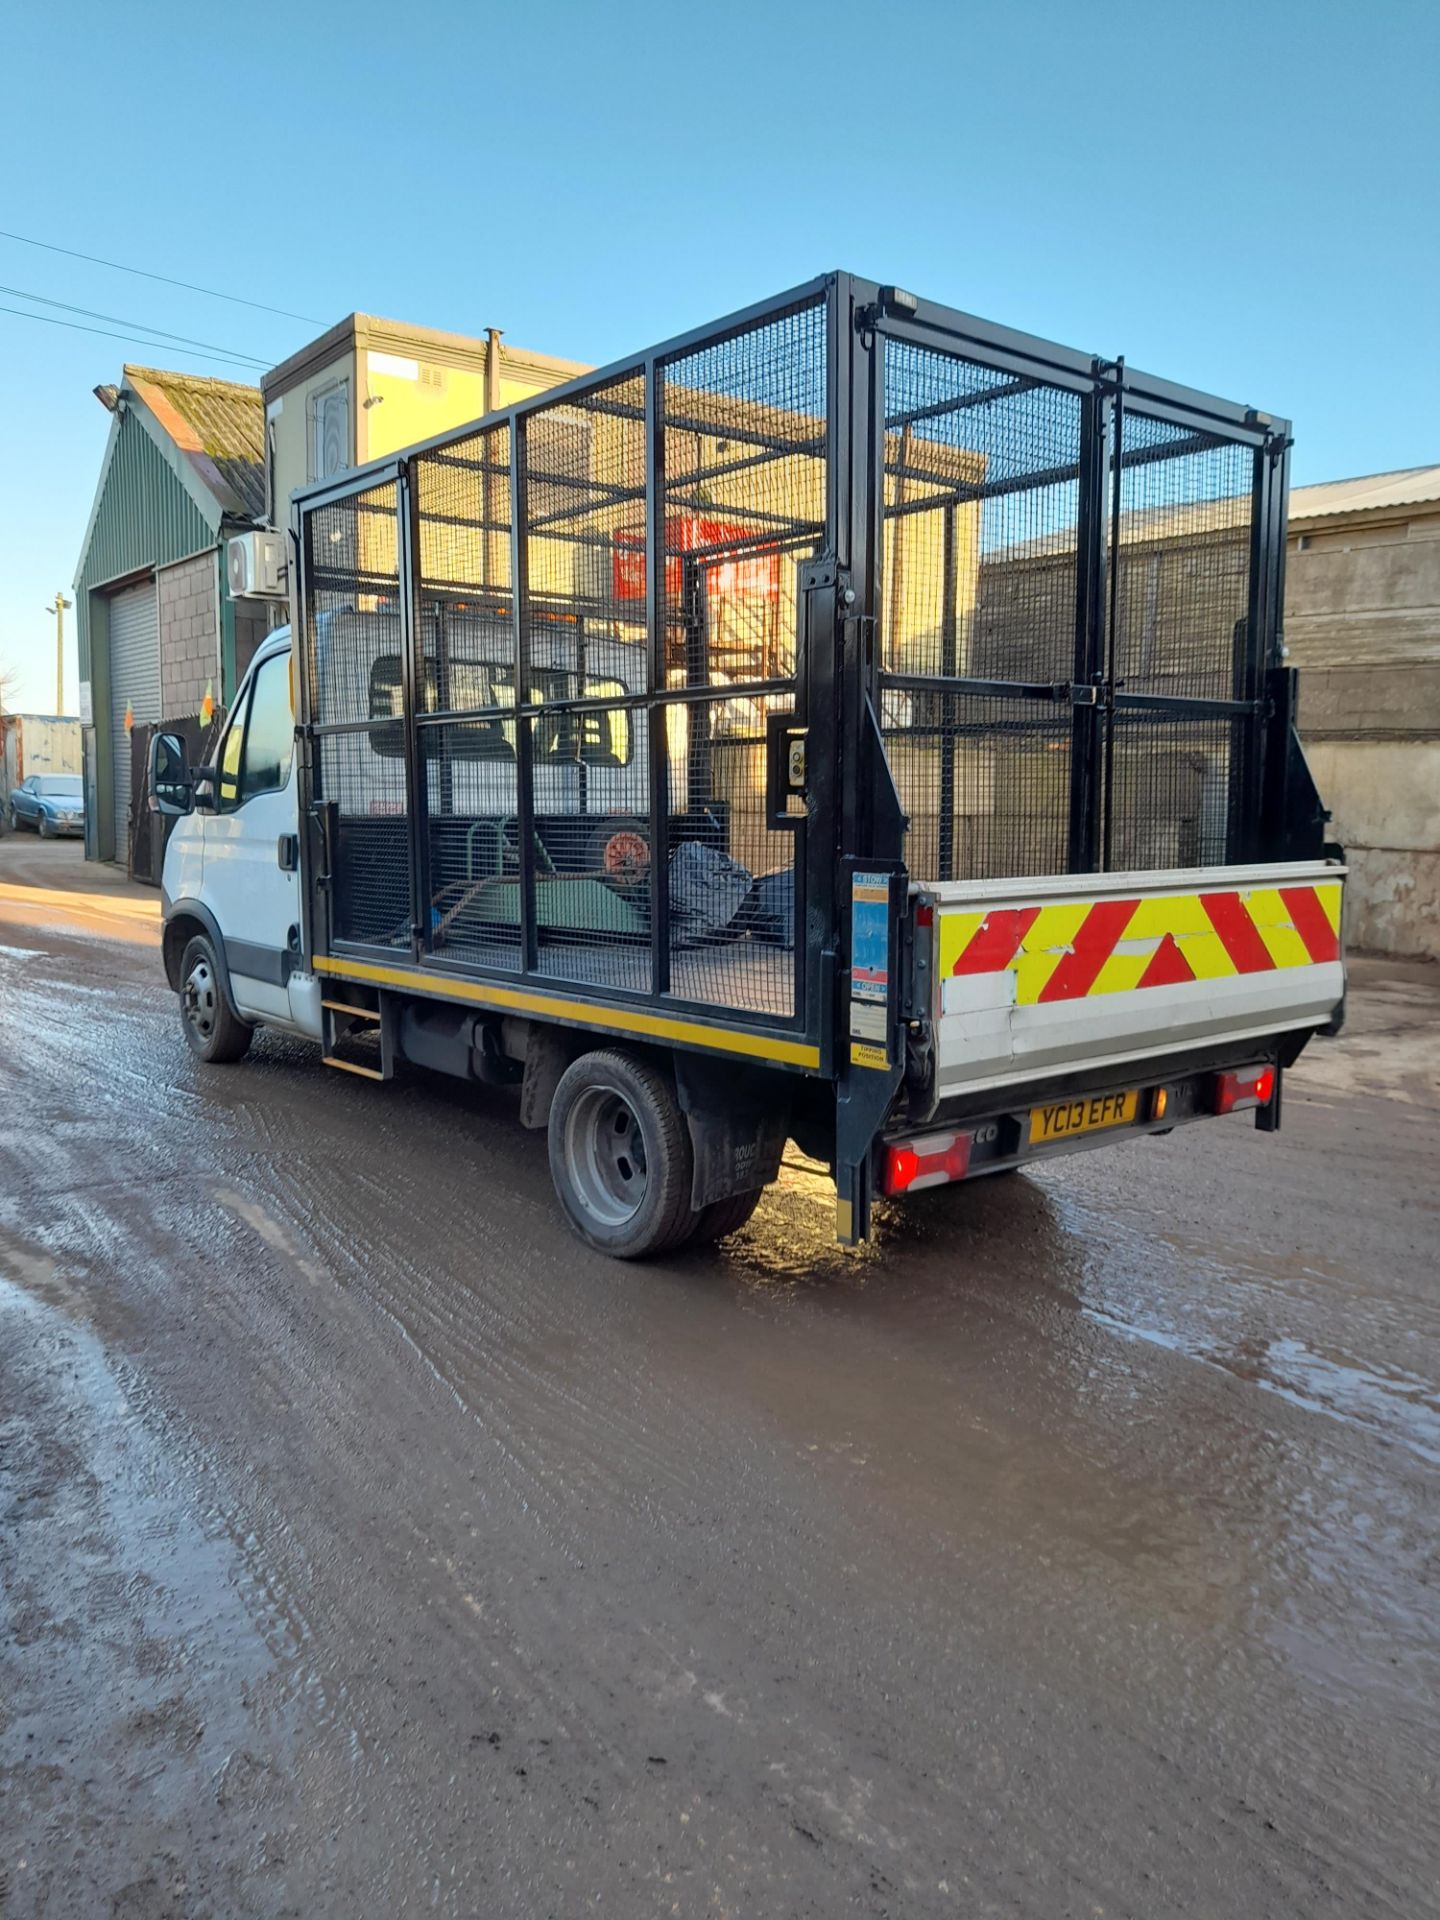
x: 870, y: 970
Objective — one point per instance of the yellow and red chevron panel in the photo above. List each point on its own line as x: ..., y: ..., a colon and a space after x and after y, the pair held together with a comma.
x: 1070, y: 949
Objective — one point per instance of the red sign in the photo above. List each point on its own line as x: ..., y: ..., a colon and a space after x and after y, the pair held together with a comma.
x: 748, y: 575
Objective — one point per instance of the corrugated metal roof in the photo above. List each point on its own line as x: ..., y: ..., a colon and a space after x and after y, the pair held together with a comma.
x: 221, y: 421
x: 1407, y: 487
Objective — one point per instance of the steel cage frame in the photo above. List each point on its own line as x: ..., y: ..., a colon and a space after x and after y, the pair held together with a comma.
x: 1091, y: 695
x: 853, y: 812
x: 648, y: 706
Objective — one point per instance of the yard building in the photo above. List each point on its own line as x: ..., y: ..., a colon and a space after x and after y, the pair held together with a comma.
x: 191, y: 461
x: 158, y: 629
x: 369, y: 386
x: 1362, y: 622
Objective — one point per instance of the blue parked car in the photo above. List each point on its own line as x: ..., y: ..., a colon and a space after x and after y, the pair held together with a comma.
x: 50, y: 802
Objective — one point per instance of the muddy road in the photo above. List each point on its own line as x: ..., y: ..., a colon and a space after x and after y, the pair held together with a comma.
x: 369, y: 1548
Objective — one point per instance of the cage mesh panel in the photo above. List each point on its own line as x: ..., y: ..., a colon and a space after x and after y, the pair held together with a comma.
x: 355, y: 664
x: 1180, y: 571
x: 985, y: 783
x: 1171, y: 800
x: 980, y: 576
x: 732, y: 879
x: 592, y: 852
x: 585, y: 466
x: 585, y: 628
x: 467, y: 628
x: 981, y: 503
x: 470, y: 785
x: 744, y: 423
x: 363, y: 774
x: 353, y: 574
x: 467, y: 662
x: 462, y: 497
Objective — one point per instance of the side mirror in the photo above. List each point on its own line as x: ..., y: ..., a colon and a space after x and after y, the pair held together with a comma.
x: 172, y: 791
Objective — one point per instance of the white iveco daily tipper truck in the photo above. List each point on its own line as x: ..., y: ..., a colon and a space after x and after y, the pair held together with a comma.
x: 851, y: 722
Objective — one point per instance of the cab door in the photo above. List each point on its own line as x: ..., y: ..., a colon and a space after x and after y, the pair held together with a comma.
x: 251, y: 879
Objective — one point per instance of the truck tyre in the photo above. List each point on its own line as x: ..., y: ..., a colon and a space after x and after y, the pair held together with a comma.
x: 620, y: 1155
x: 215, y: 1035
x: 723, y: 1217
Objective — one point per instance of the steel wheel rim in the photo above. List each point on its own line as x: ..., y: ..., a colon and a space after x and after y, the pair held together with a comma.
x: 605, y: 1153
x: 199, y: 999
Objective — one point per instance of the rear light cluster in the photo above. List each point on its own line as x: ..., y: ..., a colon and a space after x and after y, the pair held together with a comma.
x: 929, y: 1161
x: 1249, y: 1087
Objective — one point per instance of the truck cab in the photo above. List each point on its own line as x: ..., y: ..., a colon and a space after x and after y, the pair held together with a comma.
x: 231, y: 885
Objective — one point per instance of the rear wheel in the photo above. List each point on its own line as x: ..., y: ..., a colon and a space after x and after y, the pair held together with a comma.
x: 722, y: 1217
x: 620, y: 1155
x: 215, y: 1035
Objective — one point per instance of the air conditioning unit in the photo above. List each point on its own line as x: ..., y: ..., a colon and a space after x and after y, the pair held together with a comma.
x: 255, y: 565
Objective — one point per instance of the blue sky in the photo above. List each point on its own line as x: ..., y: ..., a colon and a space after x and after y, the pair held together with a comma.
x: 1243, y: 197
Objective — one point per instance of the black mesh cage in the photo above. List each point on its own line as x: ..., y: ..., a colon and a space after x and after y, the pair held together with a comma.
x: 590, y: 685
x: 541, y: 718
x: 978, y: 584
x: 355, y: 688
x: 1062, y: 606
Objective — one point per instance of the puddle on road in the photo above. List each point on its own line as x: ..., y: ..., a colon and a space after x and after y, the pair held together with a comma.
x: 1235, y: 1311
x: 1388, y: 1401
x: 790, y: 1245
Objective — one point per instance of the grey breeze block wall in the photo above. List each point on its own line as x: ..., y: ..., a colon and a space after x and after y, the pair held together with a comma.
x: 189, y: 636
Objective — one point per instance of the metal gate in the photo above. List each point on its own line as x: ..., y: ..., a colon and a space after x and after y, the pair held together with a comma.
x: 134, y: 689
x: 1075, y: 601
x: 553, y: 667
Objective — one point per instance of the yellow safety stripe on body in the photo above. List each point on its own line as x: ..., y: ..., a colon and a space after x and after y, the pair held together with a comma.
x: 1044, y: 946
x: 758, y: 1046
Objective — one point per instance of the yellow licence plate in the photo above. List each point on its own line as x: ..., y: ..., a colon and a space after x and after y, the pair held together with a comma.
x: 1096, y: 1110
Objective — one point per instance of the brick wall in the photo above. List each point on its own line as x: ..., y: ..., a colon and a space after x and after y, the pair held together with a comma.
x: 189, y: 636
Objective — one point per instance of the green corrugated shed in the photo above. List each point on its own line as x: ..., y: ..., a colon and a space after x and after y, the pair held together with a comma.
x: 183, y: 467
x: 143, y: 518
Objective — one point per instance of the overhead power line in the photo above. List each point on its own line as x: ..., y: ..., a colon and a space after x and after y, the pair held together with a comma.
x: 136, y: 326
x: 75, y: 326
x: 118, y: 266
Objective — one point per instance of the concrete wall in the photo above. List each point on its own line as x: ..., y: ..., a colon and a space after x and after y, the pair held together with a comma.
x: 189, y: 635
x: 1362, y: 622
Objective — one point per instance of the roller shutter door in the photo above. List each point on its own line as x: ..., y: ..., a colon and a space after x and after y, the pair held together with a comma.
x: 134, y: 683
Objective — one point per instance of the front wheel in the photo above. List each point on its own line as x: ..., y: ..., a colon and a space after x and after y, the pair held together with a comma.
x: 46, y: 827
x: 215, y: 1035
x: 620, y: 1155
